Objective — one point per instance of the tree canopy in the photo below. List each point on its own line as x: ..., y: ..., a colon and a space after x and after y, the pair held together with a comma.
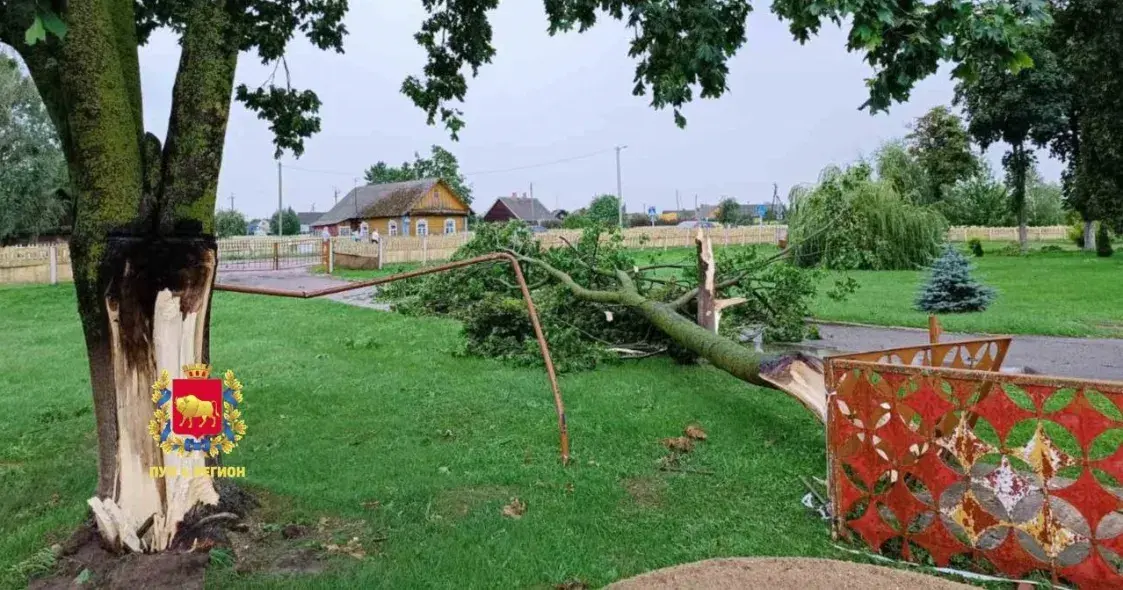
x: 228, y: 222
x: 290, y: 223
x: 1088, y: 40
x: 942, y: 148
x: 33, y: 176
x: 440, y: 164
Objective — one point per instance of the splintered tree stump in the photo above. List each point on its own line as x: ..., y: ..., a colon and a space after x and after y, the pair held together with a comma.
x: 157, y: 294
x: 709, y: 306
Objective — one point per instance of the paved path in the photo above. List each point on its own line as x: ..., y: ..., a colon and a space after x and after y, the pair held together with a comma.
x: 1064, y: 357
x: 301, y: 280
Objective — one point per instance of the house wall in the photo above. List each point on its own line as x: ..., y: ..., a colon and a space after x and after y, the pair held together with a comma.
x: 436, y: 224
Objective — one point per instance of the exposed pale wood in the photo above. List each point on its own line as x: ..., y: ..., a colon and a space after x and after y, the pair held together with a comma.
x: 706, y: 312
x: 176, y: 340
x: 803, y: 378
x: 721, y: 304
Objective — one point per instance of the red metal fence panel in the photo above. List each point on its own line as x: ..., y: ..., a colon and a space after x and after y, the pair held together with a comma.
x: 1015, y: 473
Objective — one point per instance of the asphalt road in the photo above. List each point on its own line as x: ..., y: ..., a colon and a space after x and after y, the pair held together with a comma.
x: 1090, y: 358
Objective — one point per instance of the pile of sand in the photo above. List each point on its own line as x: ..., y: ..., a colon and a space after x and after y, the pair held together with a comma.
x: 782, y: 573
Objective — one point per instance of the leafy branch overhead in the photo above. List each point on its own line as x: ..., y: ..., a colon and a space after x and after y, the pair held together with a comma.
x: 684, y: 47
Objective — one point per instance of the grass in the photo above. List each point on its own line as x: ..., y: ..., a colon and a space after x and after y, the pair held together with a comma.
x: 1067, y: 293
x: 440, y: 442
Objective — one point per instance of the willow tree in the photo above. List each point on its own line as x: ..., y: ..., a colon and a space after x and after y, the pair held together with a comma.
x: 142, y: 245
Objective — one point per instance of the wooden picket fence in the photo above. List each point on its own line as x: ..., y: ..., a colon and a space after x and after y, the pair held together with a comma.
x: 37, y: 263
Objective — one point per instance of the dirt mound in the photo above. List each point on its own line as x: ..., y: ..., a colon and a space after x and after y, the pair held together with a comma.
x: 85, y: 564
x: 782, y: 573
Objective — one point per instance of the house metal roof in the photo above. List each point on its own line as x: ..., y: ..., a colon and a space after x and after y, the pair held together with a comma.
x: 526, y: 208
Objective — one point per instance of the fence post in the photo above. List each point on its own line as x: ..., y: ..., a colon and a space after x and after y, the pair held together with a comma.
x: 380, y: 254
x: 331, y: 257
x: 276, y: 256
x: 425, y: 249
x: 54, y: 264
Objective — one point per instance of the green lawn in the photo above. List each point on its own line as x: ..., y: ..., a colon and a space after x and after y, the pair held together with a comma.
x: 1068, y: 293
x: 416, y: 450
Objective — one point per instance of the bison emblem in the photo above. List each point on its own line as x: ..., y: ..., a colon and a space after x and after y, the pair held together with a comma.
x: 191, y: 407
x: 197, y: 407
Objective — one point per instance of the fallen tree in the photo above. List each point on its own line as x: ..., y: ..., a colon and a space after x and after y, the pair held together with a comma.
x: 598, y: 300
x: 794, y: 374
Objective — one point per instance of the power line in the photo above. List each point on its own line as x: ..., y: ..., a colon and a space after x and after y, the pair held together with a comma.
x: 478, y: 173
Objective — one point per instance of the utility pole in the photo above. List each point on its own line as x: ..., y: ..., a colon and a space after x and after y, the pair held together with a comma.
x: 355, y: 200
x: 532, y: 190
x: 619, y: 190
x: 280, y: 212
x: 335, y: 195
x: 231, y: 201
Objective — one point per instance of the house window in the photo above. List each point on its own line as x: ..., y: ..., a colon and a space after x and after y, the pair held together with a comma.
x: 450, y: 227
x: 344, y: 230
x: 422, y: 228
x: 393, y: 228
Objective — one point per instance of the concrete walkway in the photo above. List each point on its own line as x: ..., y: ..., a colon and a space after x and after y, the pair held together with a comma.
x: 301, y: 280
x: 1090, y: 358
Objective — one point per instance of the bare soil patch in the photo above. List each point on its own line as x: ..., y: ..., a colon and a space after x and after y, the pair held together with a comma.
x: 103, y: 569
x: 456, y: 503
x: 645, y: 492
x: 783, y: 572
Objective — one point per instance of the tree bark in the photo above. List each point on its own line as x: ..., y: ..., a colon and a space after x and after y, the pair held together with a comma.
x: 1089, y: 236
x: 143, y: 258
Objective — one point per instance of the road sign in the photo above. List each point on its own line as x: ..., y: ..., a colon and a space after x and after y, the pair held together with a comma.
x: 651, y: 211
x: 761, y: 210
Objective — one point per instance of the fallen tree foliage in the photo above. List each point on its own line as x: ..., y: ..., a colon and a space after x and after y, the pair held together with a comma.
x: 598, y: 300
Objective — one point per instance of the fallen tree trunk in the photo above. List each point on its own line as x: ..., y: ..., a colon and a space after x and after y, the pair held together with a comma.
x: 797, y: 375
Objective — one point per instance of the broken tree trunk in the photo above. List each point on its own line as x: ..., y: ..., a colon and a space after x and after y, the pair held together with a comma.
x: 706, y: 272
x: 709, y: 306
x: 157, y: 299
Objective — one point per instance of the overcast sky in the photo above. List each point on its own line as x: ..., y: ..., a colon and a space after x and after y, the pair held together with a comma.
x: 790, y: 111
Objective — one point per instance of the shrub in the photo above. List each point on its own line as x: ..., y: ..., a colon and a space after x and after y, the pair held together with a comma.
x: 1051, y: 248
x: 851, y: 221
x: 976, y: 247
x: 950, y: 288
x: 1075, y: 233
x: 1103, y: 242
x: 1011, y: 249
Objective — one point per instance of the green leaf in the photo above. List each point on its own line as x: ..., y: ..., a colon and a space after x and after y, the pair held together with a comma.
x: 35, y: 33
x: 54, y: 24
x: 1019, y: 62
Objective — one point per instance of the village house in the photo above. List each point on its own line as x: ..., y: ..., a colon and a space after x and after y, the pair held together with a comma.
x: 522, y: 208
x: 414, y: 207
x: 307, y: 221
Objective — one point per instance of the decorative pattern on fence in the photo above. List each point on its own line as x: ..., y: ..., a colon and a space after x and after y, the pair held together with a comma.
x: 933, y: 454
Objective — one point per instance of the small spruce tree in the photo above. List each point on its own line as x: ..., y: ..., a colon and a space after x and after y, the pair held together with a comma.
x: 1103, y: 242
x: 950, y: 288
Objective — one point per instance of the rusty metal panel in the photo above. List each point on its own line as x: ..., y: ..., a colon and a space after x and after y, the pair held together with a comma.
x: 1016, y: 473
